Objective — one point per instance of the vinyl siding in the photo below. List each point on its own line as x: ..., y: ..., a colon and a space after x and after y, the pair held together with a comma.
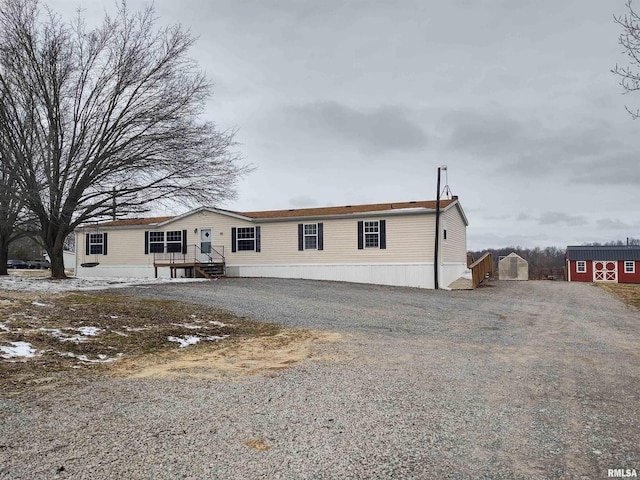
x: 409, y: 239
x: 126, y: 245
x: 454, y: 248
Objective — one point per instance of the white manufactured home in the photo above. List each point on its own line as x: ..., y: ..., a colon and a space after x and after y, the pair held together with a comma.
x: 387, y: 244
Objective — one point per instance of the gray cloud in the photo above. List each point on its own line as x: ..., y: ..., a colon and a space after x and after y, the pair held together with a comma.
x: 584, y: 152
x: 485, y: 134
x: 613, y: 224
x: 383, y: 129
x: 302, y: 201
x: 560, y: 218
x: 622, y: 168
x: 523, y: 217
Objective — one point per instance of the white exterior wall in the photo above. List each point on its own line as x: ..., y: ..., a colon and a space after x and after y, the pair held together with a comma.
x: 406, y: 261
x: 453, y: 249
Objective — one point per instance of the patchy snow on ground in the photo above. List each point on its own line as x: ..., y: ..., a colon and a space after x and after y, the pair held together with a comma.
x: 89, y: 331
x: 17, y: 349
x: 25, y: 283
x: 84, y: 332
x: 100, y: 358
x: 188, y: 326
x: 185, y: 340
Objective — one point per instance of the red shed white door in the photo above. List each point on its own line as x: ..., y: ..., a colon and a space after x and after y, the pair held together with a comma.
x: 605, y: 271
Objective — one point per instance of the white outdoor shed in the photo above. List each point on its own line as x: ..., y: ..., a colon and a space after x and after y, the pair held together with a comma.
x: 513, y: 267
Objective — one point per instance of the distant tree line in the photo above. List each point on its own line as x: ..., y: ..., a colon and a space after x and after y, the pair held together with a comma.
x: 544, y: 263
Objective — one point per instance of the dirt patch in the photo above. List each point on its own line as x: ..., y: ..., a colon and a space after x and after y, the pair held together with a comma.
x: 247, y: 356
x: 629, y: 293
x: 259, y: 444
x: 46, y: 337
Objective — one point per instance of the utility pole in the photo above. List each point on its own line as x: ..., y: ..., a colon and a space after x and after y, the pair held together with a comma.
x: 436, y: 260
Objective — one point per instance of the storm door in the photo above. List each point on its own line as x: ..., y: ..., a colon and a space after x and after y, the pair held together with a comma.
x: 205, y: 245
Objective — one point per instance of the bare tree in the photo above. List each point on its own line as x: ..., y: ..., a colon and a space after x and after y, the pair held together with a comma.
x: 106, y: 116
x: 13, y: 215
x: 630, y: 41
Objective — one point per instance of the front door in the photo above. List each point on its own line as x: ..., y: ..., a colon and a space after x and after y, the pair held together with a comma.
x: 205, y: 245
x: 605, y: 271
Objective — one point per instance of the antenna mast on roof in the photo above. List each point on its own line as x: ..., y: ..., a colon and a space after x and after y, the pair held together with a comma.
x: 446, y: 190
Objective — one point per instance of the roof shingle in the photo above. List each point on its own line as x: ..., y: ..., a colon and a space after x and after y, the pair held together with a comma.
x: 345, y: 210
x: 605, y: 253
x: 126, y: 222
x: 299, y: 212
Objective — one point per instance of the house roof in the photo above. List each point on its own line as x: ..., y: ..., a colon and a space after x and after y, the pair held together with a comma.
x: 295, y: 212
x: 345, y: 210
x: 127, y: 222
x: 622, y: 252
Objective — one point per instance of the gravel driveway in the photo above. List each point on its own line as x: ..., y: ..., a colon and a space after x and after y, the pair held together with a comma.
x: 519, y: 380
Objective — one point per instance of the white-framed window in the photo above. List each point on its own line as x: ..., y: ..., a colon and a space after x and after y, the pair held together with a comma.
x: 445, y: 228
x: 311, y: 236
x: 372, y: 234
x: 581, y: 266
x: 156, y: 242
x: 629, y: 266
x: 246, y: 239
x: 96, y: 243
x: 174, y: 241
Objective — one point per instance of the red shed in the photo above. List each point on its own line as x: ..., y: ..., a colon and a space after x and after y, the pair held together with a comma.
x: 619, y: 264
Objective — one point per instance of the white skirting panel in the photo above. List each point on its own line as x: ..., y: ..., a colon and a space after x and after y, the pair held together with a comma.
x: 450, y: 272
x: 418, y: 275
x: 125, y: 271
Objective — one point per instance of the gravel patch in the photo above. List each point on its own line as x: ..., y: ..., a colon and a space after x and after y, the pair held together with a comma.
x: 519, y: 380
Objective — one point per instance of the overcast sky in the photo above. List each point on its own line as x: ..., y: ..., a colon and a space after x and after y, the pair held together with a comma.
x: 350, y: 102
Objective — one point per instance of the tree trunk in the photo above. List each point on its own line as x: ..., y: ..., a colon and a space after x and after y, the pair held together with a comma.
x: 55, y: 248
x: 57, y: 264
x: 4, y: 254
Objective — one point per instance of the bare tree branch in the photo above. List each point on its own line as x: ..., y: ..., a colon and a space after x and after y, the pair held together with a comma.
x: 630, y: 41
x: 117, y: 106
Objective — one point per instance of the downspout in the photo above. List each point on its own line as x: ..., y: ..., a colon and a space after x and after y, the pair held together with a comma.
x: 436, y: 256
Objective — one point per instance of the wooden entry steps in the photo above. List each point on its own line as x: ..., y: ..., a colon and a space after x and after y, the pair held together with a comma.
x: 195, y: 269
x: 211, y: 270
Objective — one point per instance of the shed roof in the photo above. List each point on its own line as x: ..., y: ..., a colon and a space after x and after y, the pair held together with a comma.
x: 622, y: 252
x: 512, y: 255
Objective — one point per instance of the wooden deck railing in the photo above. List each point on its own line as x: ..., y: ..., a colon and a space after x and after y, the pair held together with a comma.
x: 481, y: 268
x: 193, y: 255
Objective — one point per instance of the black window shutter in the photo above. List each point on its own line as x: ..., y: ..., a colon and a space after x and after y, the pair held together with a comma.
x: 257, y: 239
x: 146, y: 243
x: 86, y: 244
x: 233, y: 239
x: 320, y: 240
x: 300, y: 236
x: 184, y: 242
x: 104, y: 243
x: 360, y: 235
x: 383, y: 234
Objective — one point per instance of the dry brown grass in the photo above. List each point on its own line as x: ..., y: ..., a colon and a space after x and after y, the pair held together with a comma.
x: 629, y: 293
x: 129, y: 328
